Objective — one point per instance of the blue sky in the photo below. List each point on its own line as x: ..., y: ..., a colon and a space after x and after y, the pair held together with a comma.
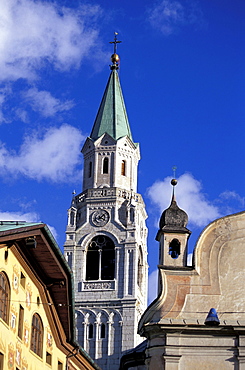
x: 182, y: 75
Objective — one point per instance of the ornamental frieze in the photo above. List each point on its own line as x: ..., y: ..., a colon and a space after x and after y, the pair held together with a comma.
x: 99, y: 285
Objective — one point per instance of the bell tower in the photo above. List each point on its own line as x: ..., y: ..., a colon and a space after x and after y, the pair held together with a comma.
x: 106, y: 234
x: 173, y: 235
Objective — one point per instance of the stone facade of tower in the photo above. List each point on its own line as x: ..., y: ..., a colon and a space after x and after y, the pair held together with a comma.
x: 106, y: 236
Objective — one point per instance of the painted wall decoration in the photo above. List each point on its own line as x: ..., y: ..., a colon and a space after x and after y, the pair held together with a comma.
x: 28, y: 296
x: 26, y: 333
x: 18, y: 354
x: 15, y: 278
x: 10, y: 356
x: 13, y: 317
x: 49, y: 338
x: 24, y: 364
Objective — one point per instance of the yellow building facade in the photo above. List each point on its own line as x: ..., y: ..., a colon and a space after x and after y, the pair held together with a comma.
x: 36, y: 302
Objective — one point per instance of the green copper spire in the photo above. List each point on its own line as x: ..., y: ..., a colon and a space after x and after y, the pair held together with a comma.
x: 112, y: 116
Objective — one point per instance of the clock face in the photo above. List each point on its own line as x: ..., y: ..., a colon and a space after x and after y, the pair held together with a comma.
x: 100, y: 217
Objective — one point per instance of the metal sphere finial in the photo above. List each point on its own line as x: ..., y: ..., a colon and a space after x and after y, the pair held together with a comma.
x: 174, y: 182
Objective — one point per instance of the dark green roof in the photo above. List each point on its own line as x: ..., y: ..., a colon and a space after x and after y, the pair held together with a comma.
x: 112, y: 116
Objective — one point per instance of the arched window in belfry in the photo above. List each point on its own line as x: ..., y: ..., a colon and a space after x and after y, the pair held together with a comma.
x: 105, y: 165
x: 174, y: 248
x: 90, y: 331
x: 100, y: 259
x: 102, y: 331
x: 123, y: 169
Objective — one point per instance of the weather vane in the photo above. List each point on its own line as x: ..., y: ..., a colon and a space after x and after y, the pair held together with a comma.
x: 174, y: 168
x: 115, y: 42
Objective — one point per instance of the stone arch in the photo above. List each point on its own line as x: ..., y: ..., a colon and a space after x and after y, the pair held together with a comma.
x: 86, y: 329
x: 100, y: 259
x: 84, y: 241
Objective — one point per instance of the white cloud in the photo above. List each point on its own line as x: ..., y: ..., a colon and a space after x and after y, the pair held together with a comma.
x: 53, y: 231
x: 4, y: 93
x: 53, y: 156
x: 44, y: 103
x: 19, y: 216
x: 230, y: 202
x: 21, y: 114
x: 168, y: 15
x: 26, y: 216
x: 152, y: 286
x: 33, y: 33
x: 189, y: 197
x: 232, y: 195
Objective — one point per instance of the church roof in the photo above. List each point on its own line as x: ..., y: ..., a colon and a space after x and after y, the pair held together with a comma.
x: 173, y: 219
x: 112, y: 116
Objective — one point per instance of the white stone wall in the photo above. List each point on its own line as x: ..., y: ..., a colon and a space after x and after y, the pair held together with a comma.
x: 116, y: 152
x: 117, y: 303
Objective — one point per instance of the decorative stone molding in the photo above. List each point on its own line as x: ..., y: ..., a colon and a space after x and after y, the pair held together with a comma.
x: 105, y: 285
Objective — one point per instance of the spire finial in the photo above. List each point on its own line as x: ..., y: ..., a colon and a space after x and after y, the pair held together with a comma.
x: 174, y: 181
x: 174, y: 168
x: 115, y: 57
x: 115, y: 42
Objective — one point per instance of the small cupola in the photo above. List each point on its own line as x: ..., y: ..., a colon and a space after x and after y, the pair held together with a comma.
x: 173, y: 218
x: 173, y: 234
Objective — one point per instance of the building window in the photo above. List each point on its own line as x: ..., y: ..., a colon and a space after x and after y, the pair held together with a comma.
x: 100, y: 259
x: 174, y: 248
x: 102, y: 331
x: 1, y: 361
x: 37, y: 335
x: 48, y: 358
x: 105, y: 165
x: 123, y: 169
x: 90, y: 331
x: 21, y: 321
x: 60, y: 366
x: 22, y: 280
x: 69, y: 259
x: 90, y: 169
x: 72, y: 218
x: 38, y: 301
x: 4, y: 297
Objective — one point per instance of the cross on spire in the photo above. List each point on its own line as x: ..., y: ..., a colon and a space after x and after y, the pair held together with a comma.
x: 115, y: 42
x: 174, y: 168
